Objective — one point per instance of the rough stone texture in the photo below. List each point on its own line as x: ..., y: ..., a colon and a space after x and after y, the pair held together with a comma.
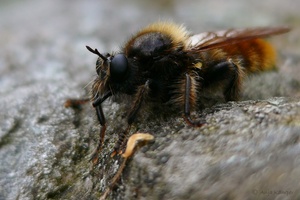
x: 247, y: 150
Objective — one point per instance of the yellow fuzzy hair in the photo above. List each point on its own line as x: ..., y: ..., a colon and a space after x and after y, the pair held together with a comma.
x: 178, y: 33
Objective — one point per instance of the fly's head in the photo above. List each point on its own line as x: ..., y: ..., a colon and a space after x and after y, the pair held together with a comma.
x: 112, y: 72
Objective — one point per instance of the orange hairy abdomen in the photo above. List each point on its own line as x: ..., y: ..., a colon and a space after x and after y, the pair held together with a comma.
x: 254, y: 55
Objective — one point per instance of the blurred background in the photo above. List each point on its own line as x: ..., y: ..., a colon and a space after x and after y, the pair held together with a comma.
x: 43, y: 61
x: 46, y: 40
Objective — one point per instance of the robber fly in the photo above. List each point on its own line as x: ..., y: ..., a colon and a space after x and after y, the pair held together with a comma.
x: 165, y: 63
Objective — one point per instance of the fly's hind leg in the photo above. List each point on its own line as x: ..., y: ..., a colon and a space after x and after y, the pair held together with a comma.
x: 226, y: 74
x: 235, y: 75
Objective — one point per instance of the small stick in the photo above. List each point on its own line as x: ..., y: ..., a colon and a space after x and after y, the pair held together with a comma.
x: 135, y: 140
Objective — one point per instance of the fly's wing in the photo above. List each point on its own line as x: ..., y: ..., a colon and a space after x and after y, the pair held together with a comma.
x: 210, y: 40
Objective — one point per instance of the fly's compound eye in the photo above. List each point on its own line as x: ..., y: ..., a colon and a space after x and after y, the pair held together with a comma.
x: 118, y: 67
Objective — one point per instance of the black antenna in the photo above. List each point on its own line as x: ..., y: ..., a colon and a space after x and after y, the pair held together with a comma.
x: 96, y: 52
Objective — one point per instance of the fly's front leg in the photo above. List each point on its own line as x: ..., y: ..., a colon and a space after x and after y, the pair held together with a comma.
x: 142, y: 93
x: 101, y: 119
x: 100, y: 116
x: 190, y: 98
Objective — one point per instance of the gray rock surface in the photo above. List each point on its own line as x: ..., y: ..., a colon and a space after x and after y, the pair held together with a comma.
x: 247, y: 150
